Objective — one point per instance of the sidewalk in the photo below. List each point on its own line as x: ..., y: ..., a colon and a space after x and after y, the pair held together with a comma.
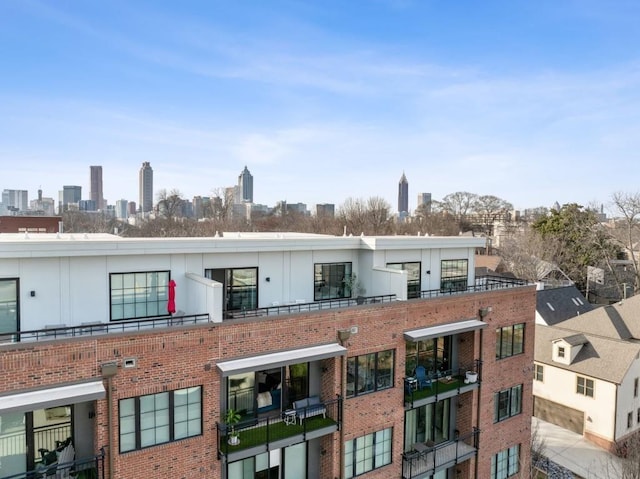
x: 575, y: 453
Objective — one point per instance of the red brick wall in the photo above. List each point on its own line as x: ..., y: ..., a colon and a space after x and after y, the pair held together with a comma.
x: 187, y: 356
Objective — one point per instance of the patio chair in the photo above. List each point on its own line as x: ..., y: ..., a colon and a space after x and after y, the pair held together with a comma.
x: 421, y: 376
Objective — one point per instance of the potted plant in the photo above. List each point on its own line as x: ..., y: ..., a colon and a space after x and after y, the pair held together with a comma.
x: 231, y: 418
x: 355, y: 287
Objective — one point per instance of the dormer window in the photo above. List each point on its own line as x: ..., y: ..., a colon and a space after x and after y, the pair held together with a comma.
x: 560, y: 352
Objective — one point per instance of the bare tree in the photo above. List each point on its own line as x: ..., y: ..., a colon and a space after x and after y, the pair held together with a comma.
x: 628, y: 205
x: 489, y: 209
x: 170, y: 204
x: 371, y: 216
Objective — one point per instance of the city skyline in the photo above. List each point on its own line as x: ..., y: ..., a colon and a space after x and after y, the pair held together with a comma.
x: 530, y: 103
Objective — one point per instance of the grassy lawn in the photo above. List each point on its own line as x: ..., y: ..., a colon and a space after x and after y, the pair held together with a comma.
x: 279, y: 430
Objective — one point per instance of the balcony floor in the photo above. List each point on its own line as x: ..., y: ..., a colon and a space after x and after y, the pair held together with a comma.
x: 427, y: 463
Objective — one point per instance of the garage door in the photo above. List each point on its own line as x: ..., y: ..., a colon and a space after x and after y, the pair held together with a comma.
x: 558, y: 414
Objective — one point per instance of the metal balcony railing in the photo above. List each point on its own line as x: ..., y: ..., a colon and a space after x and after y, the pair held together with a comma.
x: 460, y: 380
x: 426, y: 459
x: 260, y: 432
x: 93, y: 329
x: 482, y: 283
x: 84, y: 468
x: 307, y: 307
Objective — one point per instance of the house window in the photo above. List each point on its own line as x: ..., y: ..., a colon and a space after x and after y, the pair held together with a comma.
x: 635, y: 388
x: 584, y: 386
x: 331, y: 281
x: 509, y: 341
x: 367, y: 453
x: 159, y: 418
x: 9, y: 310
x: 506, y: 463
x: 434, y: 354
x: 413, y: 277
x: 508, y: 403
x: 138, y: 295
x: 560, y: 352
x: 539, y: 372
x: 638, y: 416
x: 240, y: 286
x: 453, y: 274
x: 629, y: 420
x: 369, y: 372
x: 428, y: 424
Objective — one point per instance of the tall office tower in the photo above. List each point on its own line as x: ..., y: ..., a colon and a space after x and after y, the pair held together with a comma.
x: 325, y: 209
x: 146, y: 187
x: 403, y: 195
x: 70, y: 195
x: 15, y: 200
x: 121, y: 209
x: 245, y: 185
x: 96, y: 187
x: 424, y: 199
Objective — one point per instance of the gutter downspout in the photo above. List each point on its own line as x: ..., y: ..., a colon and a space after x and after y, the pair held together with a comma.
x: 478, y: 409
x: 343, y: 336
x: 109, y: 370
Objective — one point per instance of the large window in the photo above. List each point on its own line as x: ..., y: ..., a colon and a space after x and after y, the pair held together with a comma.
x: 433, y: 354
x: 453, y: 274
x: 369, y: 372
x: 413, y: 277
x: 584, y: 386
x: 506, y: 463
x: 8, y: 307
x: 139, y: 295
x: 428, y: 424
x: 240, y: 286
x: 366, y: 453
x: 508, y: 403
x: 159, y: 418
x: 331, y: 281
x: 509, y: 341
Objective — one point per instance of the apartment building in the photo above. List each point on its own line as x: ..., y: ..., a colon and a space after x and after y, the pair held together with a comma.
x: 339, y: 357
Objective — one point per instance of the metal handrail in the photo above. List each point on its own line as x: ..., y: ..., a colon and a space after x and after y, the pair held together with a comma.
x: 94, y: 329
x: 482, y: 283
x: 95, y: 463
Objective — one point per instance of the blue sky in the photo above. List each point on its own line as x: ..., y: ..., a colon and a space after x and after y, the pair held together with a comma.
x: 534, y: 102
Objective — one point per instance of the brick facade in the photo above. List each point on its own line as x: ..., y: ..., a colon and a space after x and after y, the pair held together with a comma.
x: 184, y: 356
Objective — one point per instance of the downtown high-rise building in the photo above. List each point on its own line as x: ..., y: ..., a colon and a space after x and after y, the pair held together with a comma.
x: 424, y: 201
x: 95, y: 193
x: 69, y: 197
x: 146, y: 187
x: 245, y: 186
x: 15, y: 200
x: 403, y: 195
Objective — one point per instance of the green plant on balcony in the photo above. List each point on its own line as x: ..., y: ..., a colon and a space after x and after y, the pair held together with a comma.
x: 231, y: 418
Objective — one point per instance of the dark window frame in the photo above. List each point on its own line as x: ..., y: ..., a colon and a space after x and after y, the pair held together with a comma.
x: 451, y: 277
x: 171, y: 419
x: 231, y: 291
x: 585, y: 386
x: 506, y: 349
x: 508, y: 403
x: 538, y: 373
x: 377, y: 377
x: 327, y: 276
x: 161, y: 292
x: 414, y: 286
x: 373, y: 456
x: 512, y: 466
x: 17, y: 305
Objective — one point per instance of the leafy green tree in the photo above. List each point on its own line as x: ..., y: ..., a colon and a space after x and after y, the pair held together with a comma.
x: 574, y: 240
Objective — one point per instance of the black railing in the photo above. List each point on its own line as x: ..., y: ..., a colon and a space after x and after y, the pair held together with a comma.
x: 427, y: 458
x: 85, y: 468
x: 260, y: 432
x: 482, y: 283
x: 49, y: 437
x: 94, y: 329
x: 439, y: 382
x: 307, y: 307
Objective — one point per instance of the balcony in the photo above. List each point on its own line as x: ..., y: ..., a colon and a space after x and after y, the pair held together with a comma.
x: 278, y: 310
x: 84, y: 468
x: 444, y: 384
x: 482, y: 283
x: 425, y: 459
x: 262, y: 434
x: 94, y: 329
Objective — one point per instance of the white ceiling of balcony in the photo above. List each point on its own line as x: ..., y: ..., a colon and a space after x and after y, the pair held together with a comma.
x: 444, y: 330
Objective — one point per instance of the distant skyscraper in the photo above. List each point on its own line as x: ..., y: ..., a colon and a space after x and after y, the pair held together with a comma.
x: 424, y: 199
x: 121, y: 209
x: 245, y: 185
x: 146, y: 187
x: 15, y: 200
x: 325, y: 209
x: 95, y: 193
x: 403, y: 195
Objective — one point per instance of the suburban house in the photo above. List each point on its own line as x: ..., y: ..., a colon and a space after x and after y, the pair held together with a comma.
x: 261, y: 355
x: 555, y: 305
x: 587, y: 373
